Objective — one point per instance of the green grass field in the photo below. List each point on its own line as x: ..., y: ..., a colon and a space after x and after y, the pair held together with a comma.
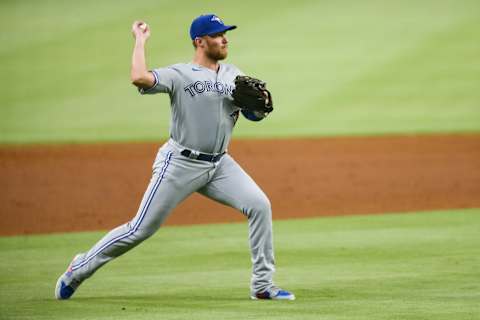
x: 335, y: 68
x: 396, y: 266
x: 344, y: 67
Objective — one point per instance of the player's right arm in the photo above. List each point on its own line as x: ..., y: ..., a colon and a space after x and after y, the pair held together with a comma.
x: 139, y: 74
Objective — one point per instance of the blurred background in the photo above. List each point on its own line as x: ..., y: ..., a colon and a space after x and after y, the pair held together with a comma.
x: 406, y: 72
x: 335, y: 68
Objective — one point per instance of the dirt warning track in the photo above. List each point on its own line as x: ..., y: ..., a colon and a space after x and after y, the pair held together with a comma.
x: 89, y: 187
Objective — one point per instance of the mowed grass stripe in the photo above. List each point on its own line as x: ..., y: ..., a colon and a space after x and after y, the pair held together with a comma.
x: 396, y: 266
x: 334, y: 68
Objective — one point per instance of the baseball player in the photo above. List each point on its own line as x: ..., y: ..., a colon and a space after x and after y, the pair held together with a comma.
x: 194, y: 159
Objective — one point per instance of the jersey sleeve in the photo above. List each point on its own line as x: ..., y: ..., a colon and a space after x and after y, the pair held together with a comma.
x: 164, y: 80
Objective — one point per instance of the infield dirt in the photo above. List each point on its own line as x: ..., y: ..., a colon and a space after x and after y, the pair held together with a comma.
x: 62, y: 188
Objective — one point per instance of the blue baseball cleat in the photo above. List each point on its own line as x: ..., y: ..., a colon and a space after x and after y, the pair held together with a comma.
x: 67, y: 284
x: 273, y: 293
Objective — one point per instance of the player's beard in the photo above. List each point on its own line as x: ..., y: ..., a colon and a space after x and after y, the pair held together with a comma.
x: 216, y: 53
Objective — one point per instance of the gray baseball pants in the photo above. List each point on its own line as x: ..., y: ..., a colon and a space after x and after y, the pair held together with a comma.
x: 174, y: 178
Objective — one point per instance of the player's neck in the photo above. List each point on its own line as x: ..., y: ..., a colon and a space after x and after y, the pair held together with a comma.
x: 206, y: 62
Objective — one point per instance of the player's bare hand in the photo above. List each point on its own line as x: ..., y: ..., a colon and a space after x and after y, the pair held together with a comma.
x: 140, y: 30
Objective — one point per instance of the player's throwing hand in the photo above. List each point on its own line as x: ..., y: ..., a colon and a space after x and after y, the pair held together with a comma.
x: 140, y: 30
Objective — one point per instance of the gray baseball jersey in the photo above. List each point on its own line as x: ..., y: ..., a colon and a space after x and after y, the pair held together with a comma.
x: 203, y: 114
x: 203, y: 117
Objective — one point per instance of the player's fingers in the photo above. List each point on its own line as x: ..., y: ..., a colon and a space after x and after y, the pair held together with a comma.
x: 134, y: 25
x: 139, y: 26
x: 140, y: 29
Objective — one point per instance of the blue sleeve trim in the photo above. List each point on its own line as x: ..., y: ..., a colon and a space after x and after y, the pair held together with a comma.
x: 251, y: 116
x: 148, y: 90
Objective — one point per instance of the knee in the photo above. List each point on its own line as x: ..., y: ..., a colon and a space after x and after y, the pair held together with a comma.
x: 260, y: 205
x: 264, y: 205
x: 141, y: 235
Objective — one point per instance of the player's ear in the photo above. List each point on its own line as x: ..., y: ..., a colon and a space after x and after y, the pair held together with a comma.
x: 199, y: 42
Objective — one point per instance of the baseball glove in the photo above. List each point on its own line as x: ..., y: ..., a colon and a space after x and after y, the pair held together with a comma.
x: 251, y: 94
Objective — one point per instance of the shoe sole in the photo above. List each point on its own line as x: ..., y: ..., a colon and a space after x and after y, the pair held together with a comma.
x: 58, y: 286
x: 290, y: 298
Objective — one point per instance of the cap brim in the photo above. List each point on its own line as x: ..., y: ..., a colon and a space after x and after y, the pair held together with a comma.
x: 221, y: 29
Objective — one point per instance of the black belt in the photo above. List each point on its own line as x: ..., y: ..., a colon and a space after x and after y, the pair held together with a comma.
x: 202, y: 156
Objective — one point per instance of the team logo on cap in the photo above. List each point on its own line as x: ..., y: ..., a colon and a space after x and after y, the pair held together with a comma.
x: 215, y: 18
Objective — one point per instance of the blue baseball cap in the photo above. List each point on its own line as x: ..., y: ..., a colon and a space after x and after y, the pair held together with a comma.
x: 208, y: 24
